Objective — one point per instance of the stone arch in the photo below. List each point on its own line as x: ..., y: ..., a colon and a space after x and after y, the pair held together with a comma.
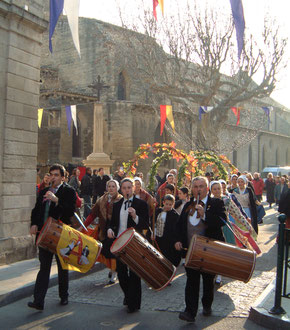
x: 76, y: 140
x: 250, y: 153
x: 122, y: 89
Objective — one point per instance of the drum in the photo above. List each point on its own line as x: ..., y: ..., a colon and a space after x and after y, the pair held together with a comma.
x: 216, y: 257
x: 143, y: 259
x: 72, y: 247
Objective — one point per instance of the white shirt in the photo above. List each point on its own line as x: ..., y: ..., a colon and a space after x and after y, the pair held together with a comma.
x: 124, y: 216
x: 193, y: 218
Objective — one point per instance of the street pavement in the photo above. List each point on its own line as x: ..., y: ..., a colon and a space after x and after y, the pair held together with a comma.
x: 95, y: 305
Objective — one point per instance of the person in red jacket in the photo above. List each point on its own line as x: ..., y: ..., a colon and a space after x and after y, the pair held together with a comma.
x: 258, y: 184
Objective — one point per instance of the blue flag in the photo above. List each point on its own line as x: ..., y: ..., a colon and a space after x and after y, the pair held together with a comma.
x: 239, y: 21
x: 56, y: 8
x: 68, y: 117
x: 267, y: 112
x: 203, y: 110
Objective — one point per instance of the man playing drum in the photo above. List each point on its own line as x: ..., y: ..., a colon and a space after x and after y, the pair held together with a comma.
x: 57, y: 201
x: 202, y: 215
x: 128, y: 212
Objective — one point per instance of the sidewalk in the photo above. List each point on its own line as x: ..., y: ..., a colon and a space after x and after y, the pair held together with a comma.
x: 259, y: 312
x: 17, y: 279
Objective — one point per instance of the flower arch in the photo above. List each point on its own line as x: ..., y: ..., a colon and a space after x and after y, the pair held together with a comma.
x: 193, y: 163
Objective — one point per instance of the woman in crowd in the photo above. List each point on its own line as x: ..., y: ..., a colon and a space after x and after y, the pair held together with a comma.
x: 74, y: 180
x: 183, y: 195
x: 103, y: 209
x: 141, y: 193
x: 45, y: 183
x: 270, y: 189
x: 247, y: 199
x: 233, y: 183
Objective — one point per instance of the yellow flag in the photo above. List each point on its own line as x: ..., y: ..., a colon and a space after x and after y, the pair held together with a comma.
x: 40, y: 113
x: 169, y: 115
x: 161, y: 4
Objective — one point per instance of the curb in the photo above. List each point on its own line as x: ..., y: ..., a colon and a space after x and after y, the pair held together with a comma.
x: 260, y: 315
x: 27, y: 290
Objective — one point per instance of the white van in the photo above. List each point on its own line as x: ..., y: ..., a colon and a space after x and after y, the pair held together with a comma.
x: 275, y: 170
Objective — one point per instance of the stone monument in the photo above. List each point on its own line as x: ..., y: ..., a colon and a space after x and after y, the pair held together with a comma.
x: 98, y: 158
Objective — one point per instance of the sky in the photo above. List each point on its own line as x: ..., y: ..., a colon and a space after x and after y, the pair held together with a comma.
x: 254, y: 12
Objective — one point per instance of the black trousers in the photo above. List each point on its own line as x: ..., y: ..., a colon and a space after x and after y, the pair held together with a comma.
x: 130, y: 284
x: 42, y: 279
x: 192, y: 290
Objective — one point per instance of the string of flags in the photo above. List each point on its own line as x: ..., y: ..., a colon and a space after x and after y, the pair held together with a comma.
x: 167, y: 113
x: 71, y: 115
x: 71, y: 7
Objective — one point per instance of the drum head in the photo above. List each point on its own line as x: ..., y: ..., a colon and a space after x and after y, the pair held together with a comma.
x: 122, y: 240
x: 44, y: 230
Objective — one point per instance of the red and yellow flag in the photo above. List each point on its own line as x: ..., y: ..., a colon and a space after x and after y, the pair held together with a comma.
x: 155, y: 4
x: 166, y: 112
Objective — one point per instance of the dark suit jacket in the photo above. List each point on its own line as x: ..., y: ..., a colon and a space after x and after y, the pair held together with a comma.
x: 284, y: 205
x: 214, y: 212
x: 62, y: 211
x: 141, y: 208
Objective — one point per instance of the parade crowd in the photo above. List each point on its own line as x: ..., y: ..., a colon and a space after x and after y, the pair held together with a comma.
x: 228, y: 211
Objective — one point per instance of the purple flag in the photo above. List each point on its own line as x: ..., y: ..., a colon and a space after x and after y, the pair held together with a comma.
x: 68, y: 117
x: 56, y: 8
x: 267, y: 112
x: 203, y: 110
x: 239, y: 21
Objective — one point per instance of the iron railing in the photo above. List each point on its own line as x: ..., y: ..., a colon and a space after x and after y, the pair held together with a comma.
x: 283, y: 264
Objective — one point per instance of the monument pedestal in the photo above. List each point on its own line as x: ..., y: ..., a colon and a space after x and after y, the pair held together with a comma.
x: 98, y: 158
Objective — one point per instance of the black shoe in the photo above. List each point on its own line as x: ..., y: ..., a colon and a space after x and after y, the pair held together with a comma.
x: 64, y: 301
x: 32, y: 304
x: 185, y: 316
x: 206, y: 311
x: 132, y: 310
x: 111, y: 282
x: 125, y: 302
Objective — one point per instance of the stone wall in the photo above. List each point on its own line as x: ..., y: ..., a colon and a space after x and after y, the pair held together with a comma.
x: 20, y: 49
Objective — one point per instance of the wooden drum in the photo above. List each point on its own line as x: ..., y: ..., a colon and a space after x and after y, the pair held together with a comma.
x: 49, y: 235
x: 216, y: 257
x: 143, y: 259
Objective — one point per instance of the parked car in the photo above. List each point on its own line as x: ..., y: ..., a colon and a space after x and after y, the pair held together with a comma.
x: 275, y: 170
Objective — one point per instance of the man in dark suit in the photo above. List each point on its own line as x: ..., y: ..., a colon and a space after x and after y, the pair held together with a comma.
x: 203, y: 219
x: 129, y: 212
x: 58, y: 202
x: 99, y: 184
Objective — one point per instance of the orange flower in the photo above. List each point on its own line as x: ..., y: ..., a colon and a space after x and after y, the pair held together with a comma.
x: 172, y: 144
x: 144, y: 155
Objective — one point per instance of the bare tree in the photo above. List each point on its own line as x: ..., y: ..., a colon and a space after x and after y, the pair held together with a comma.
x: 190, y: 60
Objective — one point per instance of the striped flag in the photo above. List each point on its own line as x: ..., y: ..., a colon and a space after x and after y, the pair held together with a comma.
x: 68, y: 117
x: 166, y: 112
x: 155, y: 4
x: 203, y: 110
x: 237, y: 113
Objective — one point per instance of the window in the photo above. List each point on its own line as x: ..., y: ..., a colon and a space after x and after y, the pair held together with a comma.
x: 121, y: 87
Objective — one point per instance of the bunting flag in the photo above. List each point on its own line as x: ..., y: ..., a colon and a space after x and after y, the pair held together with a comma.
x: 203, y: 110
x: 74, y: 116
x: 55, y: 9
x: 239, y: 21
x: 71, y: 8
x: 236, y: 111
x: 68, y: 117
x: 155, y: 4
x: 166, y: 112
x: 267, y: 112
x: 40, y: 113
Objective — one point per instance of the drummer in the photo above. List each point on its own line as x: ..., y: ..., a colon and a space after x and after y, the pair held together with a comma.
x: 203, y: 219
x: 128, y: 212
x: 58, y: 202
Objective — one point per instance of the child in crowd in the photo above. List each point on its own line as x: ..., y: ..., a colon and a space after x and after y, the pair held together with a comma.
x: 183, y: 199
x: 165, y: 229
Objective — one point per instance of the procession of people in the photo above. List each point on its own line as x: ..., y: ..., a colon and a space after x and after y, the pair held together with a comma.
x: 167, y: 220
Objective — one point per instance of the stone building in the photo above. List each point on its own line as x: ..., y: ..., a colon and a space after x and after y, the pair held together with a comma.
x: 21, y: 28
x: 131, y: 116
